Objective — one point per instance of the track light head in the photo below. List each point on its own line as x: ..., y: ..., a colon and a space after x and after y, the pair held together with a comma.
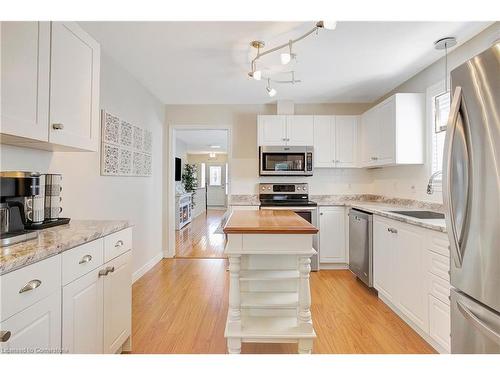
x: 285, y: 58
x: 270, y: 91
x: 328, y: 25
x: 256, y: 74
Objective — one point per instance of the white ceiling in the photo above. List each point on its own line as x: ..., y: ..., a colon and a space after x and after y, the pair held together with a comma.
x: 208, y: 62
x: 199, y: 141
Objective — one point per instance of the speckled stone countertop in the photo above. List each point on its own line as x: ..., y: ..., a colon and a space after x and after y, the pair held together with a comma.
x: 55, y: 240
x: 244, y: 200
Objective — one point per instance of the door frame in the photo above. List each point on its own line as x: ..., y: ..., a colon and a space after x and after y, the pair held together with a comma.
x: 169, y: 203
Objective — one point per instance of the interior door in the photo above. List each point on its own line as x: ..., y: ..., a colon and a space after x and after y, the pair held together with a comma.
x: 74, y: 87
x: 471, y: 185
x: 25, y: 66
x: 216, y: 185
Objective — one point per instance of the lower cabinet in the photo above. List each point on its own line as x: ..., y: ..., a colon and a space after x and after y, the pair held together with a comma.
x: 408, y: 274
x: 36, y: 329
x: 332, y: 235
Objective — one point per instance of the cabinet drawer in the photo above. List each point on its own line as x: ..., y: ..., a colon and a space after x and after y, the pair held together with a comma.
x: 82, y: 259
x: 437, y: 242
x: 439, y: 322
x: 22, y: 288
x: 438, y: 265
x: 439, y: 288
x: 117, y: 243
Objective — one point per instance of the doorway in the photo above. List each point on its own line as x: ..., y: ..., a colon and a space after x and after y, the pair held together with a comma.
x: 207, y: 153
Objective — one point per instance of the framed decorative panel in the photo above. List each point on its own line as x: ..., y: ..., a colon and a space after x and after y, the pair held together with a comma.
x: 126, y: 148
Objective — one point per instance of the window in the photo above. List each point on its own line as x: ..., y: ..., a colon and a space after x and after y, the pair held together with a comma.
x: 438, y: 104
x: 215, y: 175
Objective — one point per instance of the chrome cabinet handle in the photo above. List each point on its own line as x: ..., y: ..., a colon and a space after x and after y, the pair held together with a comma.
x: 478, y: 323
x: 87, y: 258
x: 103, y: 272
x: 4, y: 336
x: 33, y: 284
x: 119, y: 243
x: 57, y: 126
x: 392, y: 230
x: 110, y: 269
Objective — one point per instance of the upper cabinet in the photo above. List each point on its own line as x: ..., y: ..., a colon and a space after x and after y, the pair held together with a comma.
x: 392, y: 132
x: 25, y: 70
x: 335, y: 141
x: 284, y: 130
x: 50, y: 86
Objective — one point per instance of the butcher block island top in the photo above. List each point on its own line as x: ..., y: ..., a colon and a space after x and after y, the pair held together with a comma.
x: 268, y: 221
x: 269, y: 264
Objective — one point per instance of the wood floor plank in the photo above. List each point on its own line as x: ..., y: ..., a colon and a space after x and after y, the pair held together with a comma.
x: 180, y: 307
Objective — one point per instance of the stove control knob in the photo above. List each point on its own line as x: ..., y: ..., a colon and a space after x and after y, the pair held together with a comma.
x: 269, y: 188
x: 263, y: 188
x: 298, y: 188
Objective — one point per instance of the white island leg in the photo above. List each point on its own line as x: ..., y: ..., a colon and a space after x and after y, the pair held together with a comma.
x: 304, y: 315
x: 234, y: 313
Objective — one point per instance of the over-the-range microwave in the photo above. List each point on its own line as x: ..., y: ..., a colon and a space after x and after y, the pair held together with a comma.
x: 285, y: 160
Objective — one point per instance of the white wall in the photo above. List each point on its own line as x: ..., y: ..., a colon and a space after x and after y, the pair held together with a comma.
x: 411, y: 181
x: 87, y: 195
x: 245, y: 159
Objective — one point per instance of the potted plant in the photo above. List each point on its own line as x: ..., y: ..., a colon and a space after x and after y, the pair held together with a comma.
x: 189, y: 180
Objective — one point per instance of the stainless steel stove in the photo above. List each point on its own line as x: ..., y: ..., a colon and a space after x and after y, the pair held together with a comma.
x: 293, y: 197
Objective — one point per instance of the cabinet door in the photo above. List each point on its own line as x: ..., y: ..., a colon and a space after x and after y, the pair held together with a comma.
x: 324, y: 134
x: 332, y: 243
x: 412, y: 299
x: 346, y: 129
x: 74, y: 87
x: 439, y: 322
x: 384, y: 259
x: 371, y: 135
x: 36, y: 329
x: 82, y: 328
x: 272, y: 130
x: 300, y: 130
x: 118, y: 302
x: 25, y: 51
x: 387, y: 133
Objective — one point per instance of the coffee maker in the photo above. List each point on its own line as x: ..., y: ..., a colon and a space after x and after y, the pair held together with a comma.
x: 15, y: 187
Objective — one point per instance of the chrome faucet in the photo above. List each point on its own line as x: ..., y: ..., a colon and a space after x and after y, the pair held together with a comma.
x: 430, y: 184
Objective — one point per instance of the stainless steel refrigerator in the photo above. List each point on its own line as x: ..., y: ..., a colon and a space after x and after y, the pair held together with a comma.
x: 471, y: 192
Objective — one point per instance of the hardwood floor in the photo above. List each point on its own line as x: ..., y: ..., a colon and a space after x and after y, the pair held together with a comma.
x: 198, y: 240
x: 180, y: 307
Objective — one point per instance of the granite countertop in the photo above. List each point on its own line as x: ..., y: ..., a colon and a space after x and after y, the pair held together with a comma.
x: 244, y: 200
x: 55, y: 240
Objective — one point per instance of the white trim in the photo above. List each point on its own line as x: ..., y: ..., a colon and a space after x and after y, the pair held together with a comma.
x: 170, y: 201
x: 430, y: 92
x: 146, y: 267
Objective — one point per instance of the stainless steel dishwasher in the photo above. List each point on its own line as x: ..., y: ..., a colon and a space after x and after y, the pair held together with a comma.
x: 360, y: 245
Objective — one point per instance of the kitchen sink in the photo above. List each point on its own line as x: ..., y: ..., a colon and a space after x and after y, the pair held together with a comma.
x: 421, y: 214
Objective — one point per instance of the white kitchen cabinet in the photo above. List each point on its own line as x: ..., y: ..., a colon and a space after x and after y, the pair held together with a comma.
x: 272, y: 130
x: 384, y: 258
x: 439, y: 322
x: 284, y: 130
x: 25, y: 68
x: 117, y: 302
x: 332, y: 235
x: 335, y: 141
x: 299, y: 130
x: 74, y: 87
x: 36, y: 329
x: 393, y: 131
x: 82, y: 323
x: 50, y: 86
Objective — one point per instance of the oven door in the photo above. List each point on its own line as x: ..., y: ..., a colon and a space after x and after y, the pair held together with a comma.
x: 285, y: 161
x: 309, y: 213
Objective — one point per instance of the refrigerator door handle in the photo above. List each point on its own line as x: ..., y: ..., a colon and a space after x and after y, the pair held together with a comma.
x: 478, y: 323
x: 453, y: 120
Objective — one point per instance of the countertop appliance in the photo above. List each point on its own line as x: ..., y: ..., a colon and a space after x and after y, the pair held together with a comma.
x: 361, y: 245
x: 471, y: 192
x: 285, y: 160
x: 15, y: 187
x: 293, y: 197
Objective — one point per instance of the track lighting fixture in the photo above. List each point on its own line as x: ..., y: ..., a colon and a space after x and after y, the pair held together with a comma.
x: 328, y: 25
x: 270, y: 91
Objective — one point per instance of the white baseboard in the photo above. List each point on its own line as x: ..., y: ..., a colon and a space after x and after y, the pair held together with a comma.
x: 333, y: 266
x: 145, y: 268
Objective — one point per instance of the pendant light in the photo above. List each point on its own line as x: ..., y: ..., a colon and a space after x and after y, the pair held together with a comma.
x: 443, y: 100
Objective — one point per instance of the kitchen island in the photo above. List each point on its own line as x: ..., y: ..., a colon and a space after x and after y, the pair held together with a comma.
x: 269, y: 263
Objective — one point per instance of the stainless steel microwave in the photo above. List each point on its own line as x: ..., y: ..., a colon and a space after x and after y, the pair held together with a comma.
x: 285, y: 160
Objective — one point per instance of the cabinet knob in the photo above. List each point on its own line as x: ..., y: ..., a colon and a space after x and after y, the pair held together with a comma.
x: 103, y: 272
x: 30, y: 285
x: 110, y: 269
x: 321, y: 213
x: 87, y: 258
x: 57, y: 126
x: 4, y: 336
x: 119, y: 243
x: 392, y: 230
